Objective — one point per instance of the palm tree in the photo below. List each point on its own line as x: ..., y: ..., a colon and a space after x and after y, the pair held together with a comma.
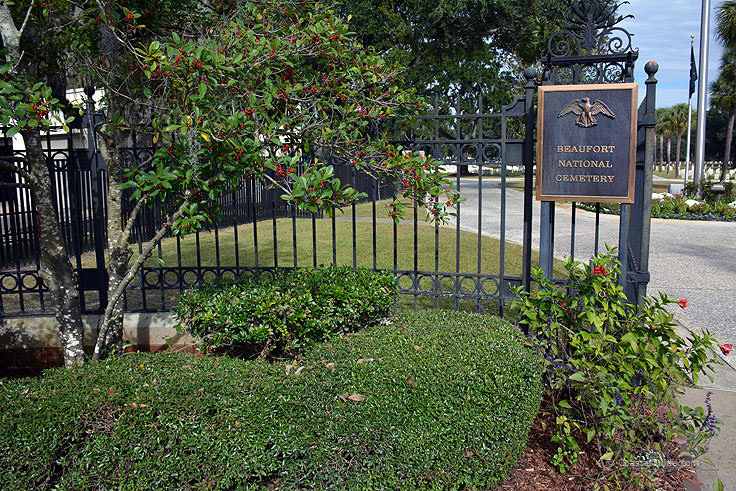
x: 723, y: 90
x: 723, y: 95
x: 662, y: 130
x: 726, y: 22
x: 665, y: 120
x: 679, y: 126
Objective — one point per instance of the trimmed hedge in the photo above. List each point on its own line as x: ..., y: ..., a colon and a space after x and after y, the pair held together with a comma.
x: 437, y: 400
x: 284, y: 310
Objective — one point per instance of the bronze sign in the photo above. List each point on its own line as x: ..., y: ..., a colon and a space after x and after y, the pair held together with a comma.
x: 586, y: 143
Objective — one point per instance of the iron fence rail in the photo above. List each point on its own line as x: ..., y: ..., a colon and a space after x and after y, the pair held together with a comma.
x: 276, y: 234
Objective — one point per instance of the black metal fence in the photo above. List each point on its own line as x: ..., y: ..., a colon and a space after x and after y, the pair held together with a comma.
x: 259, y: 230
x: 470, y: 263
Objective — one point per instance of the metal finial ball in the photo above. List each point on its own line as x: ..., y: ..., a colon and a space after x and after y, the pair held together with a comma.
x: 530, y: 73
x: 89, y: 90
x: 651, y: 67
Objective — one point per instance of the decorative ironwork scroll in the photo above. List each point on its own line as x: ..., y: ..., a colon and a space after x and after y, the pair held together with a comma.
x: 591, y: 47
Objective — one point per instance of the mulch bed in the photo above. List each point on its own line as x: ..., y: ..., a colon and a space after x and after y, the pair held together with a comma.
x: 535, y: 473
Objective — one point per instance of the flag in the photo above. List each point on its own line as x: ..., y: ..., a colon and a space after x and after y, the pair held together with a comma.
x: 693, y: 72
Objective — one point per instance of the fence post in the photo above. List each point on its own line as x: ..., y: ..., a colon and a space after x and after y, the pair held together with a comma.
x: 528, y: 157
x: 97, y: 181
x: 641, y: 210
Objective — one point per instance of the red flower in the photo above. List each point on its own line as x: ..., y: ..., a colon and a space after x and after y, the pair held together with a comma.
x: 600, y: 270
x: 726, y: 348
x: 682, y: 303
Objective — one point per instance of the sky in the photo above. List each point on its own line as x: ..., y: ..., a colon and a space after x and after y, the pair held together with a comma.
x: 661, y: 30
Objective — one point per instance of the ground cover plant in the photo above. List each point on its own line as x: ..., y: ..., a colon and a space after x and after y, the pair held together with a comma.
x: 612, y: 374
x: 285, y: 310
x: 437, y: 400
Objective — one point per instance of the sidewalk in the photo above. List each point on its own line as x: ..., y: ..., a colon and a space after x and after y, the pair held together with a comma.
x: 720, y: 459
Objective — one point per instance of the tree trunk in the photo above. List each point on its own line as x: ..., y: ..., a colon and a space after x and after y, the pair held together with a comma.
x: 677, y: 164
x: 729, y: 138
x: 669, y: 153
x: 111, y: 315
x: 661, y: 151
x: 57, y: 271
x: 112, y: 140
x: 119, y: 253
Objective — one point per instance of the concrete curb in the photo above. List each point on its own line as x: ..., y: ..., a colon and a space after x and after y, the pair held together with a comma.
x: 30, y: 344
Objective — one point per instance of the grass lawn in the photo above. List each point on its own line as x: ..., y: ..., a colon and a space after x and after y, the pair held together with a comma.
x: 347, y: 252
x: 671, y: 175
x: 518, y: 185
x: 386, y: 257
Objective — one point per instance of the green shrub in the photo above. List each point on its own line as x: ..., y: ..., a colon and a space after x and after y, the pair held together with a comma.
x: 706, y: 191
x: 447, y: 402
x: 612, y: 369
x: 285, y: 309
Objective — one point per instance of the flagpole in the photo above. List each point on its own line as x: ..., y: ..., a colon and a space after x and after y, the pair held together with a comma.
x: 689, y: 120
x: 702, y: 92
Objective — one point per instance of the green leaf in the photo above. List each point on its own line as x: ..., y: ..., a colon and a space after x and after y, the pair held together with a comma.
x: 590, y: 433
x: 718, y: 485
x: 577, y: 376
x: 607, y: 456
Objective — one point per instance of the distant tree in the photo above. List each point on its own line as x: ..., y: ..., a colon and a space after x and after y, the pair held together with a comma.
x: 457, y: 47
x: 723, y: 90
x: 723, y: 96
x: 726, y: 22
x: 660, y: 131
x: 715, y: 133
x: 679, y: 123
x: 659, y: 136
x: 668, y: 128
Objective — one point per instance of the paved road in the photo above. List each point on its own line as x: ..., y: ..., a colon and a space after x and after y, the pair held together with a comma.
x: 695, y: 260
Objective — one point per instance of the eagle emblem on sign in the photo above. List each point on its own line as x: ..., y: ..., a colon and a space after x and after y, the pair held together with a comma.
x: 585, y: 111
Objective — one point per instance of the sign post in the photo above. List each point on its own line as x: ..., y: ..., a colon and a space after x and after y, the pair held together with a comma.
x: 586, y: 143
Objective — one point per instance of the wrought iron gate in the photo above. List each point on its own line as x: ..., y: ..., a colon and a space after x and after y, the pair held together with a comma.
x: 591, y: 48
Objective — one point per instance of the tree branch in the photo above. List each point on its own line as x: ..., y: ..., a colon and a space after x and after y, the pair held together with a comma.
x: 28, y: 15
x: 125, y: 233
x: 276, y: 183
x: 7, y: 165
x: 117, y: 294
x: 16, y: 185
